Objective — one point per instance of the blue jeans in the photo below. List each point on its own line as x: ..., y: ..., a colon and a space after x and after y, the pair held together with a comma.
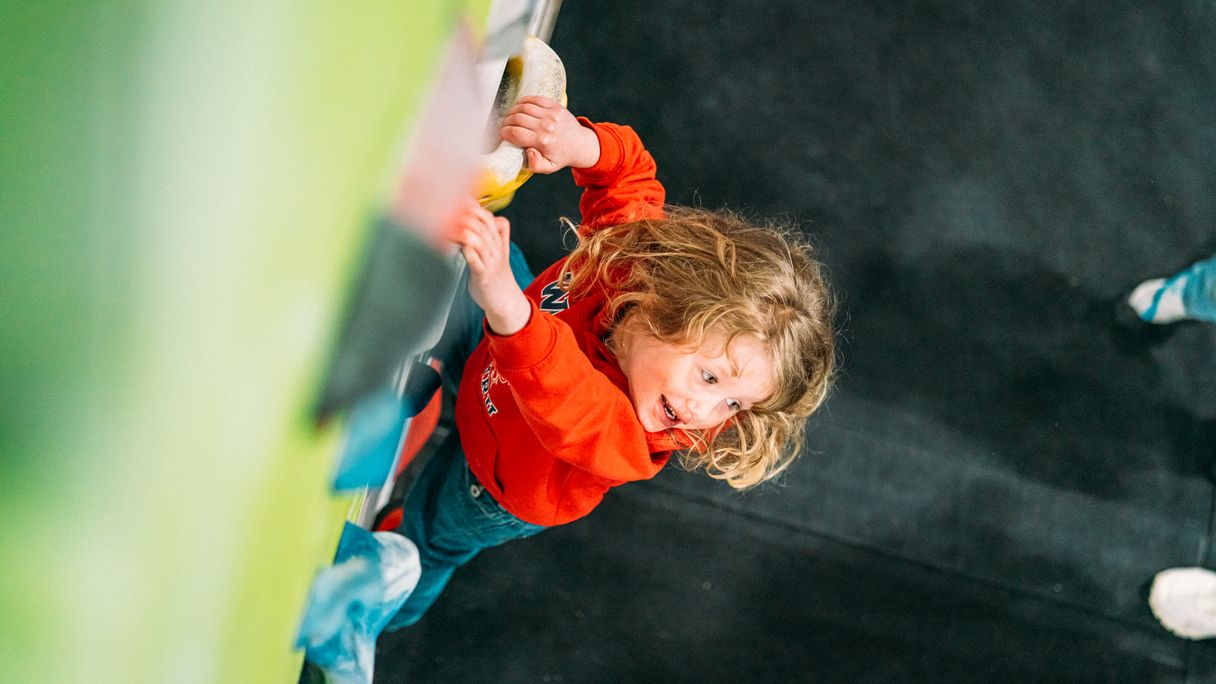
x: 450, y: 517
x: 447, y: 513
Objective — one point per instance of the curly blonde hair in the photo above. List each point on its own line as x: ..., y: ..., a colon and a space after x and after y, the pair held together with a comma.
x: 696, y: 273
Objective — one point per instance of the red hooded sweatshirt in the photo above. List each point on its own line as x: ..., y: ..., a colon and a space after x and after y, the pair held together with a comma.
x: 544, y: 415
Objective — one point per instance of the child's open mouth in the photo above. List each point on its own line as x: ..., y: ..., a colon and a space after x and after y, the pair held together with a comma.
x: 669, y: 412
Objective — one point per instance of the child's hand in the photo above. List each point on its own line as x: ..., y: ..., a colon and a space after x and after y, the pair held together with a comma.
x: 485, y: 241
x: 550, y: 135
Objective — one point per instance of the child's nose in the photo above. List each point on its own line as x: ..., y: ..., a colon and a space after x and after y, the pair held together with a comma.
x: 699, y: 408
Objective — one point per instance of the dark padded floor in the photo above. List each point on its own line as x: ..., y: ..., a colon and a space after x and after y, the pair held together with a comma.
x: 1007, y: 459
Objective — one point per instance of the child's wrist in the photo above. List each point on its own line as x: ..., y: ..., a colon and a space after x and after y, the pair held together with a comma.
x: 589, y: 149
x: 511, y: 317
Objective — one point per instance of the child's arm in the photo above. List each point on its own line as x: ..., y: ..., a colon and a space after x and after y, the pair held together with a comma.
x: 572, y: 407
x: 610, y: 163
x: 485, y: 241
x: 569, y: 405
x: 621, y: 187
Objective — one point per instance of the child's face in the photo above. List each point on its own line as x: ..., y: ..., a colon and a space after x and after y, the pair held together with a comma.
x: 672, y: 386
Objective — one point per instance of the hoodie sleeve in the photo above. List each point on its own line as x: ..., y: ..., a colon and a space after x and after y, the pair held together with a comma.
x: 621, y: 187
x: 575, y: 411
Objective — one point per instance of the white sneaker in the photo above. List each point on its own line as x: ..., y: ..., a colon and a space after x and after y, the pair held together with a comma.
x: 1166, y: 307
x: 1184, y: 600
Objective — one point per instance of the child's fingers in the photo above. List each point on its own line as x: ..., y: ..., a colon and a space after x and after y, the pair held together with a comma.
x: 484, y: 244
x: 474, y: 261
x: 477, y: 255
x: 530, y: 109
x: 490, y: 238
x: 529, y: 122
x: 471, y: 240
x: 469, y: 213
x: 537, y: 162
x: 468, y: 247
x: 521, y: 125
x: 539, y: 101
x: 459, y: 233
x: 502, y: 229
x: 526, y: 137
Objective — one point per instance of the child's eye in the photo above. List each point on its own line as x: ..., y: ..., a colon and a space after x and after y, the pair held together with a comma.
x: 734, y: 405
x: 708, y: 377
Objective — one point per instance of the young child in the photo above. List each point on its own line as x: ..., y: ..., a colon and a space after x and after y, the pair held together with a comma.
x: 666, y: 330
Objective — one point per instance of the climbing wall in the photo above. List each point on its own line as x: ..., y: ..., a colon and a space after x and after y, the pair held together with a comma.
x: 187, y: 190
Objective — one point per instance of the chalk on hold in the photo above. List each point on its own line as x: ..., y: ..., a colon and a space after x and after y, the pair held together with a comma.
x: 536, y: 70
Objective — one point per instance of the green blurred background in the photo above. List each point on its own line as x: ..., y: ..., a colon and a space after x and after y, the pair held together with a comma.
x: 184, y: 189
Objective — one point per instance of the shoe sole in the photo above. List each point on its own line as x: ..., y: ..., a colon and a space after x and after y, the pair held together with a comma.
x: 1175, y: 601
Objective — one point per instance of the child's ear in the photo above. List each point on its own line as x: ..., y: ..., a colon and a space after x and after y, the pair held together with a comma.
x: 623, y: 331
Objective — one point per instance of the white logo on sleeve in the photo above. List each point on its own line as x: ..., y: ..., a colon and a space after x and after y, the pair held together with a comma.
x: 489, y: 378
